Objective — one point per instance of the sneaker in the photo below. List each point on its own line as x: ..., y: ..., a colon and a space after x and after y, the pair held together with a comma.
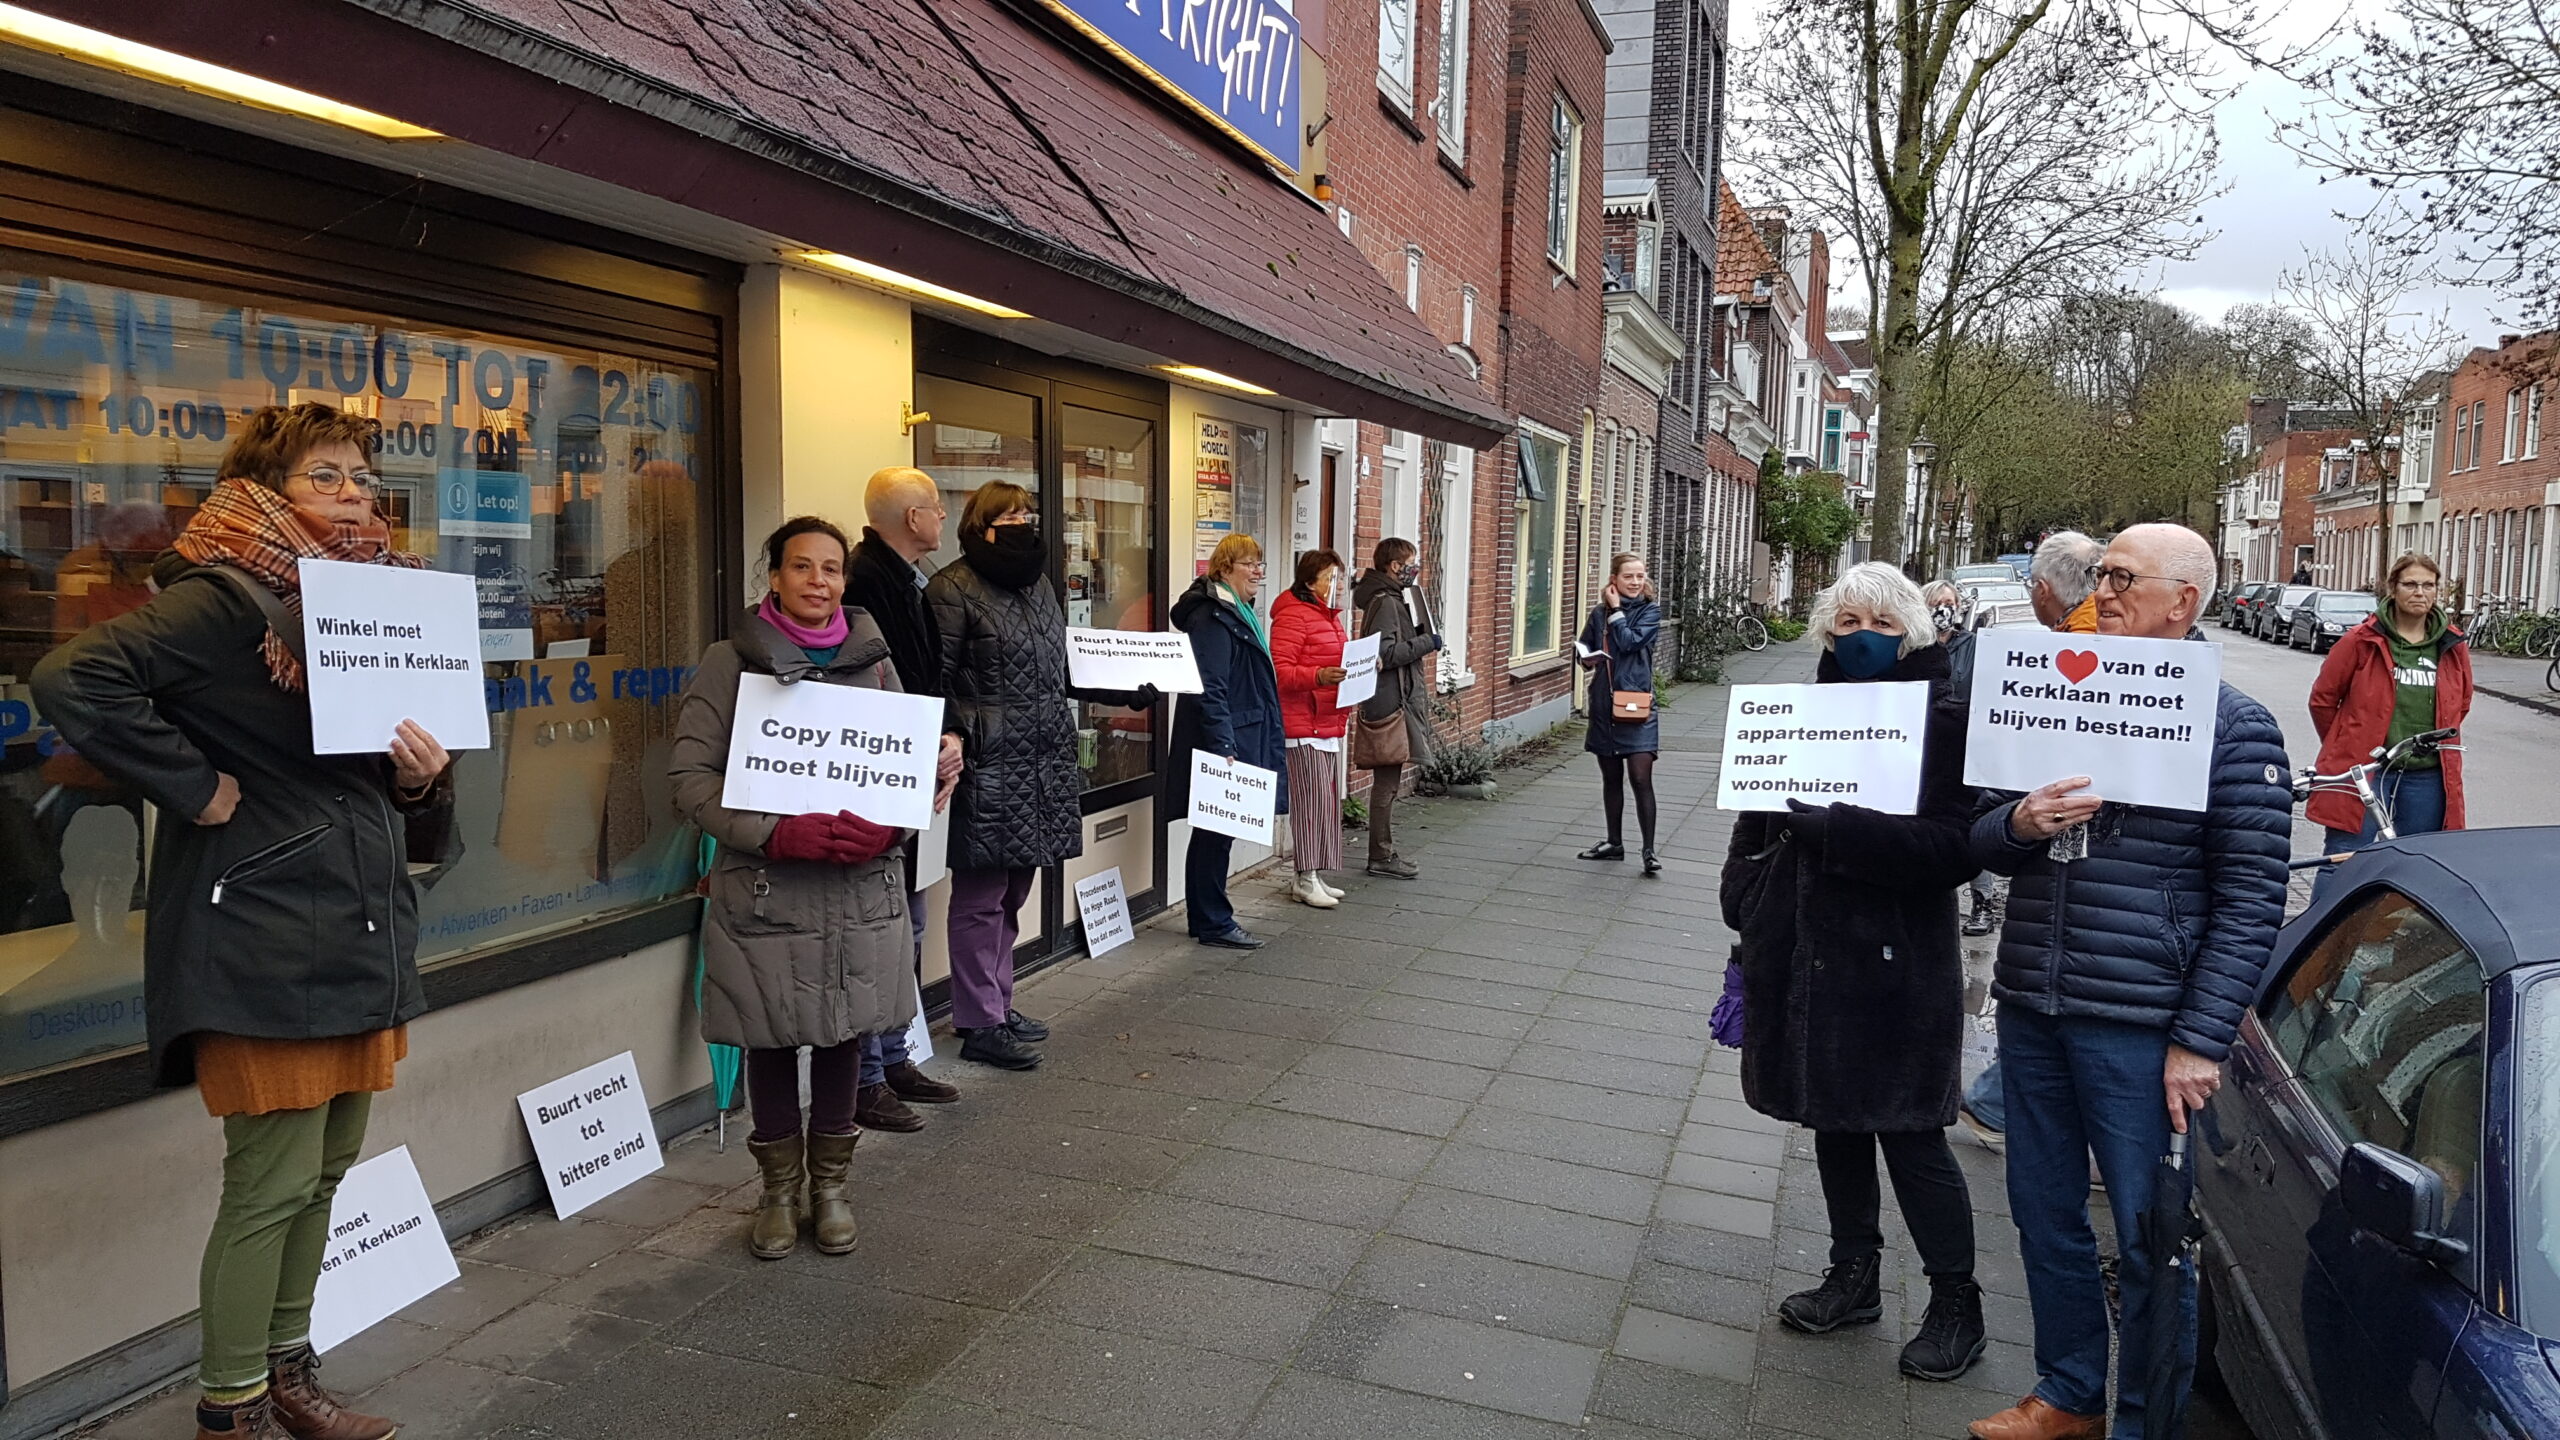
x: 1025, y: 1028
x: 1951, y: 1336
x: 995, y: 1045
x: 1394, y: 867
x: 916, y: 1087
x: 1234, y: 937
x: 1307, y: 890
x: 877, y: 1107
x: 1982, y: 921
x: 1848, y: 1295
x: 1982, y: 1132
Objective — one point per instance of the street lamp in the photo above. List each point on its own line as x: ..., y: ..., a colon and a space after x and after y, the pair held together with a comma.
x: 1924, y: 459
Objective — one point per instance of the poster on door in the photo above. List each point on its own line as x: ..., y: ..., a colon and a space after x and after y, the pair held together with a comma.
x: 1213, y: 490
x: 484, y: 529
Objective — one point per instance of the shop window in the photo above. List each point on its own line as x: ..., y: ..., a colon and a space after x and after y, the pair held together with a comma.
x: 1538, y: 541
x: 567, y: 481
x: 977, y: 434
x: 1108, y: 484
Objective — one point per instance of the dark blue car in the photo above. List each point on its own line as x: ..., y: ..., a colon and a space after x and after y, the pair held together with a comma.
x: 2381, y: 1173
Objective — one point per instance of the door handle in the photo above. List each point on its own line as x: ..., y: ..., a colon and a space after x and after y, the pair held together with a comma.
x: 2244, y: 1065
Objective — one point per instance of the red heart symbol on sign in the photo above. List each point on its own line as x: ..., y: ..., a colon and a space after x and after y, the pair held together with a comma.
x: 2075, y: 665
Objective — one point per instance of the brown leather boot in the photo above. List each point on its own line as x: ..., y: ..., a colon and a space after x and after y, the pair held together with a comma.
x: 248, y: 1420
x: 2033, y: 1419
x: 878, y: 1107
x: 830, y: 1176
x: 309, y: 1412
x: 778, y: 1210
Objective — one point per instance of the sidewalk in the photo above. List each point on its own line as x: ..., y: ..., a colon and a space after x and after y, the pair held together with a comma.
x: 2513, y: 678
x: 1455, y: 1159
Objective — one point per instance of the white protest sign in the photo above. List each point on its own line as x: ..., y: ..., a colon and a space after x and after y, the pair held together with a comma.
x: 1232, y: 798
x: 1105, y: 908
x: 1854, y: 744
x: 1359, y: 672
x: 386, y: 1250
x: 388, y: 644
x: 592, y: 1133
x: 919, y: 1033
x: 794, y: 749
x: 1127, y: 659
x: 933, y: 853
x: 2135, y: 716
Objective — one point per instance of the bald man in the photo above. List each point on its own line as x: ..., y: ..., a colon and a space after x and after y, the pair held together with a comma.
x: 2133, y: 944
x: 886, y: 581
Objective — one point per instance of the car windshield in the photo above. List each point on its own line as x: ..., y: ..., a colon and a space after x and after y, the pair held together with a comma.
x: 2345, y: 603
x: 2293, y: 595
x: 1996, y: 594
x: 2537, y: 1141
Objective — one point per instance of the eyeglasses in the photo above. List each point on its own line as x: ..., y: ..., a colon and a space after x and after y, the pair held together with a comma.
x: 329, y: 479
x: 2118, y: 579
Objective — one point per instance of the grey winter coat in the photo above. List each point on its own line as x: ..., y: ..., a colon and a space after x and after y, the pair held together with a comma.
x: 1388, y: 609
x: 795, y: 952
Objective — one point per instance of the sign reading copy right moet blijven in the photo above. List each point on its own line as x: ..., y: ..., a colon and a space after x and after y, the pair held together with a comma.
x: 2136, y: 716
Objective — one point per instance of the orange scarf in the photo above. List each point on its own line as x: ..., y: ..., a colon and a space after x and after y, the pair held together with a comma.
x: 245, y: 524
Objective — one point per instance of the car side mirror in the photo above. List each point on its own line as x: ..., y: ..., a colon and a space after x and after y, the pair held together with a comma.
x: 2399, y: 1200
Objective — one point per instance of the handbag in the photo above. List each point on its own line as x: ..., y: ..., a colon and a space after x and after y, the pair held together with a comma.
x: 1379, y: 743
x: 1626, y: 707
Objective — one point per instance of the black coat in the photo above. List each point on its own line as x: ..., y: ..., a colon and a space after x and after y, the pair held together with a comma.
x: 297, y: 919
x: 1236, y: 715
x: 1852, y: 975
x: 1626, y: 635
x: 879, y: 582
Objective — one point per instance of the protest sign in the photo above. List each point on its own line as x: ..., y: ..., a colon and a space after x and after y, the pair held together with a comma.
x: 1127, y: 659
x: 933, y: 853
x: 920, y: 1033
x: 1359, y: 673
x: 1231, y: 797
x: 1105, y: 908
x: 387, y: 644
x: 2135, y: 716
x: 794, y: 749
x: 592, y: 1134
x: 1854, y: 744
x: 386, y: 1252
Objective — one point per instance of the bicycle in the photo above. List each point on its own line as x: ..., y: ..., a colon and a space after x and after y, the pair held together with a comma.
x: 1731, y: 626
x: 2541, y: 639
x: 2361, y: 781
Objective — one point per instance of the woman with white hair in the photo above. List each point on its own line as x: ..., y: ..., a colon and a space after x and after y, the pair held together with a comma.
x: 1853, y: 986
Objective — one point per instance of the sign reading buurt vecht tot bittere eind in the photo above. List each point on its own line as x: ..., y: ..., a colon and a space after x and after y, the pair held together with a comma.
x: 592, y: 1133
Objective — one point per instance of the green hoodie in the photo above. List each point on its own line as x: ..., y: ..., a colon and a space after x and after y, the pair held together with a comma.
x: 2413, y: 666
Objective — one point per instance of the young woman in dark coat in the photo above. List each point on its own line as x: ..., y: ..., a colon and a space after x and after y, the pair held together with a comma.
x: 1236, y: 716
x: 1853, y: 986
x: 1620, y: 634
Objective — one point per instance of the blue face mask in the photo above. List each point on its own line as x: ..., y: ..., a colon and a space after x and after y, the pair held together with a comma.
x: 1866, y: 654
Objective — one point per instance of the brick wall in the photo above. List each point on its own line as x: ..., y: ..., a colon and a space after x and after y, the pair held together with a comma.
x: 2498, y: 500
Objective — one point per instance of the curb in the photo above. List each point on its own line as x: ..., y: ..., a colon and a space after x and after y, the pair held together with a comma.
x: 2548, y: 704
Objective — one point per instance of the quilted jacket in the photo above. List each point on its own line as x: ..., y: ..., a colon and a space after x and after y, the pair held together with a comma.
x: 2170, y: 920
x: 1305, y: 638
x: 1237, y: 712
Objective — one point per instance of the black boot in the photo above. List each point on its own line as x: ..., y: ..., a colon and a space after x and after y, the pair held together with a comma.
x: 1950, y: 1337
x: 995, y: 1045
x: 1847, y: 1296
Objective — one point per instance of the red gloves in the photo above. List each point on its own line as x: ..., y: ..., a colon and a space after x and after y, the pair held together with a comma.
x: 843, y: 838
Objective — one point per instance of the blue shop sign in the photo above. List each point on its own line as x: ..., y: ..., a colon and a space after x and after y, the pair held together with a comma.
x: 1233, y: 61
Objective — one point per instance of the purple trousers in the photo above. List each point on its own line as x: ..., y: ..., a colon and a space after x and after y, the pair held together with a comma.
x: 982, y: 935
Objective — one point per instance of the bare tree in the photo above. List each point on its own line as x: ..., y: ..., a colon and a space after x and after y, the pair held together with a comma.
x: 1979, y: 156
x: 2454, y: 112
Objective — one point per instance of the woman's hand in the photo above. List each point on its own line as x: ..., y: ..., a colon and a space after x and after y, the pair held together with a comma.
x: 1609, y: 594
x: 1330, y: 675
x: 416, y: 758
x: 226, y: 799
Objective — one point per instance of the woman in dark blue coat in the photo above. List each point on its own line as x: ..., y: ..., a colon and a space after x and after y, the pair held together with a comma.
x: 1619, y: 640
x: 1235, y: 716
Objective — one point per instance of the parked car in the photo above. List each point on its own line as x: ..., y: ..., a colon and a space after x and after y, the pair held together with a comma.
x: 2017, y: 563
x: 1976, y: 574
x: 2275, y: 609
x: 1991, y: 602
x: 2318, y: 623
x: 2380, y: 1180
x: 2236, y: 614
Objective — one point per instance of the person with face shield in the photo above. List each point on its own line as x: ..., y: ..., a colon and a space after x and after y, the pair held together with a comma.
x: 1001, y: 635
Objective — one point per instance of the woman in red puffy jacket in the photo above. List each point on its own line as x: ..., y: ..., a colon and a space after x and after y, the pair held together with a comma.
x: 1306, y: 648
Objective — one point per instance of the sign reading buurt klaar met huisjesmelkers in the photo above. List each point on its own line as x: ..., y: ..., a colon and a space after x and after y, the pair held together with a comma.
x: 2134, y: 715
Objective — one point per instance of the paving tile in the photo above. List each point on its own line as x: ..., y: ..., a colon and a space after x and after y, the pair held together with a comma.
x: 1752, y: 1147
x: 1610, y: 1072
x: 544, y: 1341
x: 1159, y: 1035
x: 1122, y: 1108
x: 1508, y: 1228
x: 698, y: 1160
x: 384, y: 1350
x: 1717, y: 1252
x: 1310, y: 1406
x: 1079, y: 1152
x: 553, y: 1247
x: 484, y: 1293
x: 1698, y: 999
x: 1252, y: 1017
x: 1337, y: 1143
x: 1826, y: 1407
x: 1586, y: 1103
x: 1733, y: 1114
x: 1476, y: 1364
x: 1679, y: 1401
x: 1698, y: 972
x: 1504, y: 1023
x: 170, y: 1412
x: 1288, y: 1187
x: 1725, y: 1177
x: 1367, y: 969
x: 1006, y: 1197
x: 1128, y: 1384
x: 935, y: 1256
x: 1364, y: 1105
x: 1632, y: 1151
x: 1573, y: 1034
x: 651, y: 1201
x: 644, y: 1286
x: 1394, y: 1072
x: 934, y: 1417
x: 1487, y: 1052
x: 1474, y: 1286
x: 1221, y: 1237
x: 1585, y: 1189
x: 1716, y: 1299
x: 1722, y: 1352
x: 1213, y: 1309
x: 1536, y: 946
x: 1853, y: 1354
x: 445, y: 1400
x: 1706, y: 1208
x: 1652, y: 1020
x: 1241, y: 984
x: 657, y: 1389
x: 1163, y: 1073
x: 841, y: 1328
x: 1466, y: 966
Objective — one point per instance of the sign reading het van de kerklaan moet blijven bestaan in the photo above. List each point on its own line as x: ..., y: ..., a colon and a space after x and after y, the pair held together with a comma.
x: 1235, y: 61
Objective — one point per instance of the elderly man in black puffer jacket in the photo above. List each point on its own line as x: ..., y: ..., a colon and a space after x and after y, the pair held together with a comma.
x: 2122, y: 976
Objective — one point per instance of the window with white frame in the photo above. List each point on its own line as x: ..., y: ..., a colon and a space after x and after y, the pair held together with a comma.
x: 1564, y: 182
x: 1537, y: 567
x: 1395, y: 51
x: 2513, y: 439
x: 1467, y: 316
x: 2479, y: 430
x: 1413, y: 277
x: 1449, y: 107
x: 2532, y: 422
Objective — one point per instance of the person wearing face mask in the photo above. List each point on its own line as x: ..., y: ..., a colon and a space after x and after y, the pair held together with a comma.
x: 1236, y: 716
x: 1306, y: 650
x: 1619, y: 637
x: 1001, y: 639
x: 805, y: 940
x: 1853, y: 987
x: 1393, y: 733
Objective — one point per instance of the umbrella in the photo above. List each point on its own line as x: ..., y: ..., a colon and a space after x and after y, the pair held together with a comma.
x: 2170, y: 1232
x: 726, y: 1060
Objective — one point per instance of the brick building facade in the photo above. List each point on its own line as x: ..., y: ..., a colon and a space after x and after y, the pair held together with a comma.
x: 2272, y: 510
x: 2498, y: 475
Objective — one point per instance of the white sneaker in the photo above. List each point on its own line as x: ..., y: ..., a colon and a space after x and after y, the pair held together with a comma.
x: 1318, y: 877
x: 1309, y: 890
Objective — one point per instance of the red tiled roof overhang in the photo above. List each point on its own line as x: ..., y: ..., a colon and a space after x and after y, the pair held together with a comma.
x: 943, y: 138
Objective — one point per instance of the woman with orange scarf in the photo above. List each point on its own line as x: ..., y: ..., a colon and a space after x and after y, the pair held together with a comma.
x: 280, y: 954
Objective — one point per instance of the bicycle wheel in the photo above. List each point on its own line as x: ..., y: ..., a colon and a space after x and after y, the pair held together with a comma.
x: 1755, y: 635
x: 2543, y: 640
x: 2552, y: 676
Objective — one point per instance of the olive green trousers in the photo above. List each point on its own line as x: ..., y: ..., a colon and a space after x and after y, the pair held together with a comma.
x: 262, y: 1262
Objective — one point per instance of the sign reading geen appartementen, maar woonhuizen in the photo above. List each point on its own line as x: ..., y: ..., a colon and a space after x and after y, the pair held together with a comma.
x: 1233, y: 61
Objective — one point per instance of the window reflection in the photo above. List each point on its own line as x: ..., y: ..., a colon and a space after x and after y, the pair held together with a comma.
x: 1108, y: 470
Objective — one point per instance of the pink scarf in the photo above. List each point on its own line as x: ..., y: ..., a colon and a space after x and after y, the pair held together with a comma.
x: 824, y: 637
